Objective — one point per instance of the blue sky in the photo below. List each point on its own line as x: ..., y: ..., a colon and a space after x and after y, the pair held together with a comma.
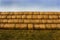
x: 30, y: 5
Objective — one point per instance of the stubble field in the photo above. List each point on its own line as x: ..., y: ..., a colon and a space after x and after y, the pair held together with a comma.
x: 29, y: 34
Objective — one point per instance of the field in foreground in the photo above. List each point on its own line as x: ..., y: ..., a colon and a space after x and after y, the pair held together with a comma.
x: 29, y: 34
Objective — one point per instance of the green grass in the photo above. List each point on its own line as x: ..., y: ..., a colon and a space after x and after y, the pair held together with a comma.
x: 29, y: 34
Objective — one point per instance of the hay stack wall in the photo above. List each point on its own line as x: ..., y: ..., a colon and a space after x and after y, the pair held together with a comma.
x: 30, y: 20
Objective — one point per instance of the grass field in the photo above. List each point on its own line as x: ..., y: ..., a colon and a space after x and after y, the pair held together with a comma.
x: 29, y: 34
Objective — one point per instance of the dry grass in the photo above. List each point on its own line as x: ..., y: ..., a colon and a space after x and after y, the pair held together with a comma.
x: 29, y: 34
